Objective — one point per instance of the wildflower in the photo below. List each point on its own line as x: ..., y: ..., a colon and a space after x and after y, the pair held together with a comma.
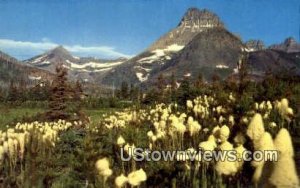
x: 205, y: 130
x: 245, y: 120
x: 121, y: 180
x: 269, y: 105
x: 153, y: 138
x: 284, y: 109
x: 256, y: 128
x: 231, y: 120
x: 221, y: 119
x: 272, y: 124
x: 5, y: 147
x: 121, y: 141
x: 193, y: 126
x: 258, y: 172
x: 189, y: 104
x: 135, y: 178
x: 283, y: 143
x: 231, y: 97
x: 265, y: 142
x: 239, y: 151
x: 102, y: 164
x: 208, y: 145
x: 284, y: 173
x: 150, y: 134
x: 216, y: 130
x: 224, y: 133
x: 219, y: 109
x: 226, y: 167
x: 106, y: 173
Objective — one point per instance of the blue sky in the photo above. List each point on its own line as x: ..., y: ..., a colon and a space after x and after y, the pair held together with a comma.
x: 112, y: 28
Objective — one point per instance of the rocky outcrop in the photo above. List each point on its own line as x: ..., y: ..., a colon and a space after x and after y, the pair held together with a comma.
x: 290, y: 45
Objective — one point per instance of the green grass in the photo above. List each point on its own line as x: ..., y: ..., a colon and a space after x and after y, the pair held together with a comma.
x: 10, y: 115
x: 96, y: 115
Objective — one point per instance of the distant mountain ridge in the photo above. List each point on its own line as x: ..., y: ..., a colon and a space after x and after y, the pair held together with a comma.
x: 11, y: 70
x: 86, y: 69
x: 199, y: 44
x: 290, y: 45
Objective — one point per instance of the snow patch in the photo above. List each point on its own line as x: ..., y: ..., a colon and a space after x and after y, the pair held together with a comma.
x: 188, y: 74
x: 236, y: 70
x: 220, y: 66
x: 75, y: 57
x: 141, y: 76
x: 34, y: 77
x: 38, y: 60
x: 92, y: 66
x: 174, y: 48
x: 160, y: 53
x: 142, y: 68
x: 248, y: 49
x: 44, y: 63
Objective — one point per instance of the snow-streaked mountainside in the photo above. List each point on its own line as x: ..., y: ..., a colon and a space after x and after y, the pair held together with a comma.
x: 141, y: 68
x: 85, y: 69
x: 13, y: 71
x: 200, y: 44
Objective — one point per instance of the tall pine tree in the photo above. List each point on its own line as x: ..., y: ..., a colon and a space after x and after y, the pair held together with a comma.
x: 60, y: 94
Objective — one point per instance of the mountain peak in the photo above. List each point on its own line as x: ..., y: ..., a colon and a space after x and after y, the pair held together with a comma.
x: 196, y: 18
x: 289, y: 45
x: 254, y: 45
x: 289, y: 41
x: 59, y: 50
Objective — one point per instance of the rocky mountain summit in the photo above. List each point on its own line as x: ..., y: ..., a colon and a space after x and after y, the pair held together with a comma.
x: 255, y: 45
x: 87, y: 69
x: 290, y: 45
x: 141, y: 68
x: 193, y: 21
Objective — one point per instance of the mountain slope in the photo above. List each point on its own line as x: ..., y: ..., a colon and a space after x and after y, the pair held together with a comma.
x: 274, y: 62
x: 215, y: 51
x: 140, y: 68
x: 85, y: 69
x: 290, y: 45
x: 11, y: 70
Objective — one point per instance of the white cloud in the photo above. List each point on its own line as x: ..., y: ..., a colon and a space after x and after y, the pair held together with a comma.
x: 25, y: 49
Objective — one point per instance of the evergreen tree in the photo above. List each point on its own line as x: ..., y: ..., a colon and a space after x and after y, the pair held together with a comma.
x: 161, y: 86
x: 199, y: 81
x: 60, y: 94
x: 243, y: 73
x: 124, y: 90
x: 78, y: 95
x: 173, y: 88
x: 134, y: 92
x: 12, y: 95
x: 184, y: 91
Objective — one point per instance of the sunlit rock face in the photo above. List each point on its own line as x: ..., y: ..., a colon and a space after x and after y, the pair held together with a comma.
x: 254, y: 45
x: 290, y: 45
x: 143, y: 67
x: 86, y: 69
x: 193, y: 22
